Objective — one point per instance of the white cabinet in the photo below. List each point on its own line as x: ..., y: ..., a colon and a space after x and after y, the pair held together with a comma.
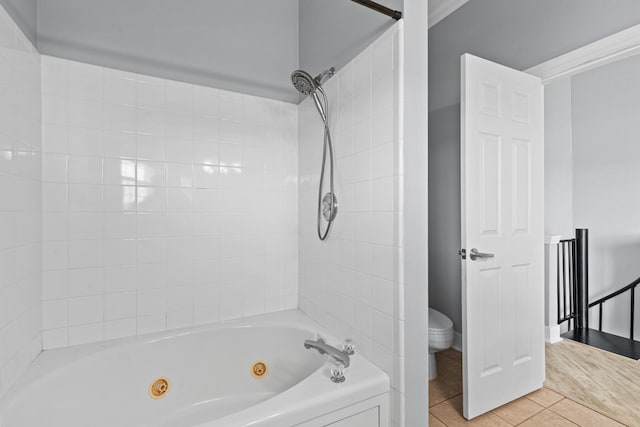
x: 370, y: 418
x: 372, y: 412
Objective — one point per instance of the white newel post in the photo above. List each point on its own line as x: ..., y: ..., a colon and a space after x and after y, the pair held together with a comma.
x: 552, y: 329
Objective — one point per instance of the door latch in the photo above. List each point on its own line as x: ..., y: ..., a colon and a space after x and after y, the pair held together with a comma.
x: 463, y: 253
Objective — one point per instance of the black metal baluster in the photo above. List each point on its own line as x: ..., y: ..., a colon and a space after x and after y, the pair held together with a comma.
x: 600, y: 318
x: 558, y: 284
x: 571, y: 280
x: 633, y: 303
x: 564, y: 285
x: 581, y: 320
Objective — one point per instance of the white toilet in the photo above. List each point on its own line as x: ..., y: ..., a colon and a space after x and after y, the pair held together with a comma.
x: 440, y: 338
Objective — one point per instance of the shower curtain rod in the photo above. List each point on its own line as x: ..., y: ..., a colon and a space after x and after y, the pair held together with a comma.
x: 395, y: 14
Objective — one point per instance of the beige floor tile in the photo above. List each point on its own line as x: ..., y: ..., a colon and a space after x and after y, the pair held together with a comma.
x: 450, y: 372
x: 517, y: 411
x: 547, y: 418
x: 545, y: 397
x: 529, y: 411
x: 451, y: 354
x: 582, y: 415
x: 440, y: 390
x: 434, y: 422
x: 450, y: 413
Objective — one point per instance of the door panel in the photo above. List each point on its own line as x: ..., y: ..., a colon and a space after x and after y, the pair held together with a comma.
x: 502, y: 214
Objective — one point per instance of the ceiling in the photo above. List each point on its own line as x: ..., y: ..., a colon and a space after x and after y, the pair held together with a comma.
x: 440, y: 9
x: 249, y: 46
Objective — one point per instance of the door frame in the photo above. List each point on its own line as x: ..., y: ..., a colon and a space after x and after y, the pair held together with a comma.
x: 609, y: 49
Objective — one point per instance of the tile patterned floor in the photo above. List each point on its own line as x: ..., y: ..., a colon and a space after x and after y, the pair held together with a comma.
x: 542, y: 408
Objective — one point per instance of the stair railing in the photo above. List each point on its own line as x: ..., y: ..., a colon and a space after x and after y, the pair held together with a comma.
x: 566, y: 280
x: 630, y: 287
x: 572, y: 285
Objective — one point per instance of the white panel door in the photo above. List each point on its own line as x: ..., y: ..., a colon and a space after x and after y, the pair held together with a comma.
x: 502, y: 217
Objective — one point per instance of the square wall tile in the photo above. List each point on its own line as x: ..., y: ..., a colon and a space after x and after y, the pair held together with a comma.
x: 154, y: 211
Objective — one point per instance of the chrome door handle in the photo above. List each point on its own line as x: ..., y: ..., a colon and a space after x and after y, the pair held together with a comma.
x: 474, y: 254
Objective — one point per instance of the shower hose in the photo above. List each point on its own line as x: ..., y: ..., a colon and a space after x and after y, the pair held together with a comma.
x: 327, y: 206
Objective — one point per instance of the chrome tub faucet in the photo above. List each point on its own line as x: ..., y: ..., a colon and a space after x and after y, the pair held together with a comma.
x: 324, y: 348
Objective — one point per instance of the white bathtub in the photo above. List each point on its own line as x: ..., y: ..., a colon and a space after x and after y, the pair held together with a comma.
x: 210, y: 381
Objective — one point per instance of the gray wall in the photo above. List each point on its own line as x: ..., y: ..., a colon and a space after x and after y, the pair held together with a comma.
x: 249, y: 46
x: 558, y: 159
x: 606, y: 153
x: 332, y: 32
x: 516, y: 33
x: 25, y: 14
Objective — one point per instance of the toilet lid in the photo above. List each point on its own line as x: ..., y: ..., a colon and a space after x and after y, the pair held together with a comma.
x: 438, y: 321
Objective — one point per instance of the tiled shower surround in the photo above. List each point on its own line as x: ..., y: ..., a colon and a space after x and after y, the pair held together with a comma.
x: 352, y: 283
x: 135, y: 204
x: 20, y: 193
x: 164, y: 204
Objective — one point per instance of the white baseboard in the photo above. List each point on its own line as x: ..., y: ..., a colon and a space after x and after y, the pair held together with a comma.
x: 457, y: 341
x: 552, y: 334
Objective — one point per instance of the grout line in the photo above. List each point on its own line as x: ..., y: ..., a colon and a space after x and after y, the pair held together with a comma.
x: 584, y: 406
x: 445, y: 400
x: 594, y: 410
x: 560, y: 415
x: 537, y: 413
x: 433, y: 415
x: 528, y: 418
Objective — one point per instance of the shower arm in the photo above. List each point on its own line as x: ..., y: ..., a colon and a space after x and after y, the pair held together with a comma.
x: 323, y: 76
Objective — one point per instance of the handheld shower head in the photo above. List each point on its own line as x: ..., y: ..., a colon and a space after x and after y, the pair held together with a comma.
x: 308, y: 85
x: 303, y: 81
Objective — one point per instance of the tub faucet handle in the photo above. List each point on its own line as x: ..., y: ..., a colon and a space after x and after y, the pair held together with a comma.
x: 337, y: 374
x: 349, y: 347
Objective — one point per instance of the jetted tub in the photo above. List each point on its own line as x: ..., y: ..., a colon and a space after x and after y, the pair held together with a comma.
x: 254, y: 372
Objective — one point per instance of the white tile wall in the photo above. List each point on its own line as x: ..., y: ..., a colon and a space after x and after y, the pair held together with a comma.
x: 20, y: 199
x: 164, y: 204
x: 154, y: 204
x: 352, y: 283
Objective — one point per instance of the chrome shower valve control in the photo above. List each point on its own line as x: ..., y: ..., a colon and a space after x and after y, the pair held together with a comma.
x: 329, y: 206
